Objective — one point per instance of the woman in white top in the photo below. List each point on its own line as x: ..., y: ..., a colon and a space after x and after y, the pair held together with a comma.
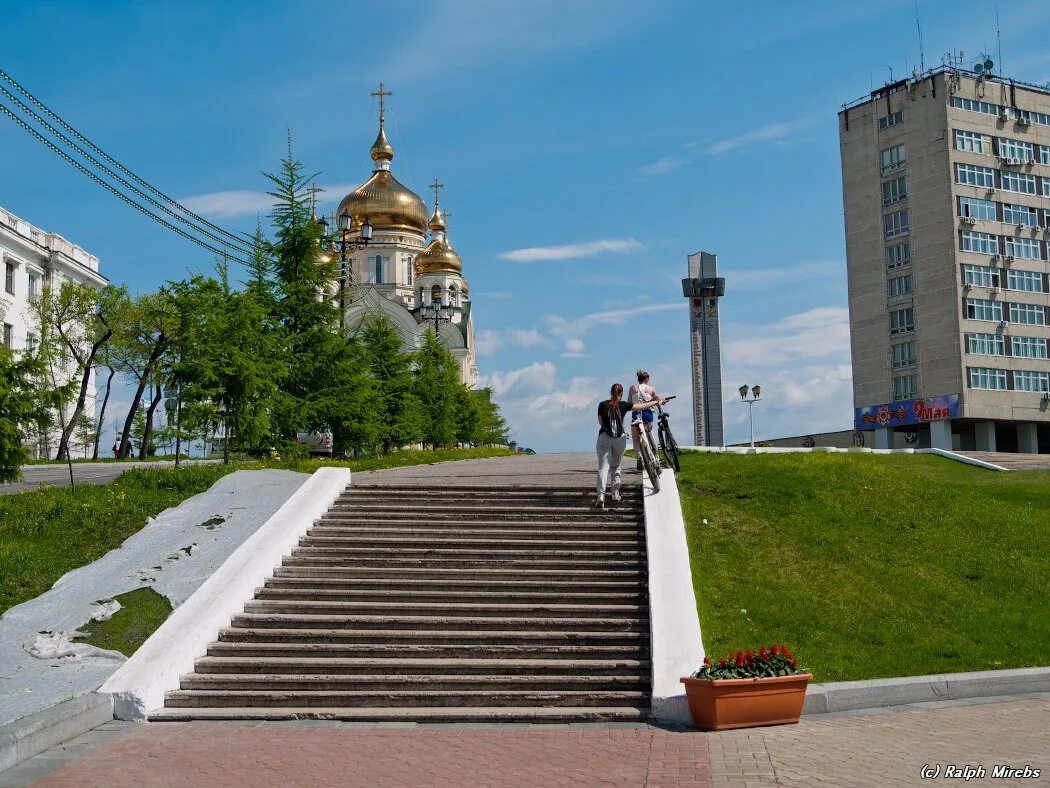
x: 641, y: 393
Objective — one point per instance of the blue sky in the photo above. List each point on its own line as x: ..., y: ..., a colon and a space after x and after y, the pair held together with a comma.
x: 586, y: 147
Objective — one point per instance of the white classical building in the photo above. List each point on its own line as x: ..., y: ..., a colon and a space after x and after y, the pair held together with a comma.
x: 398, y: 273
x: 34, y: 259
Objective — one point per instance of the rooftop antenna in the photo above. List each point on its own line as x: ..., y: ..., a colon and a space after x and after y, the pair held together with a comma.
x: 918, y: 27
x: 998, y: 36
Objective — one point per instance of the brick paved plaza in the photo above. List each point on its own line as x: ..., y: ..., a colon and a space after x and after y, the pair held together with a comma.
x: 887, y: 748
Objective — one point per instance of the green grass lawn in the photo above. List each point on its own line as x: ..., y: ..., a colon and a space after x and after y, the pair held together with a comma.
x: 870, y: 566
x: 141, y: 612
x: 47, y: 532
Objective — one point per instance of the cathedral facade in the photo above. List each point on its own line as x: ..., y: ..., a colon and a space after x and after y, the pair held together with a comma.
x: 407, y: 271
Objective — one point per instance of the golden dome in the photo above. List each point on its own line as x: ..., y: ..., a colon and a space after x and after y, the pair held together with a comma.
x: 387, y: 203
x: 382, y: 150
x: 438, y: 258
x: 437, y: 221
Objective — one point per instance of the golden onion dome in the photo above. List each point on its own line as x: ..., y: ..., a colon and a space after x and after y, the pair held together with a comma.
x: 385, y: 201
x: 437, y: 221
x: 438, y: 258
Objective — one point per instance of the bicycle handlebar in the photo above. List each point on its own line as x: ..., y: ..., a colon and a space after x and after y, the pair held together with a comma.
x: 668, y: 399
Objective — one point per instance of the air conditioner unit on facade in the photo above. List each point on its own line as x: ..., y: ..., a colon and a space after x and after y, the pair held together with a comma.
x: 972, y: 220
x: 1030, y: 162
x: 967, y: 287
x: 1004, y: 116
x: 1014, y: 161
x: 1022, y: 120
x: 1046, y: 396
x: 995, y: 258
x: 1004, y: 323
x: 991, y: 190
x: 1008, y: 259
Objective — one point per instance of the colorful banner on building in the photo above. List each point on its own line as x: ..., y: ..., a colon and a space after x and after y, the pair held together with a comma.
x: 909, y: 411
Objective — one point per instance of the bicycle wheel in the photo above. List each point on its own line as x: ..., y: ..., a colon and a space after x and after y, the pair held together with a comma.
x: 649, y: 462
x: 669, y: 448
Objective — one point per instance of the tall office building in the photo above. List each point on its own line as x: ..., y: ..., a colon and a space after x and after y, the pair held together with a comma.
x: 946, y: 193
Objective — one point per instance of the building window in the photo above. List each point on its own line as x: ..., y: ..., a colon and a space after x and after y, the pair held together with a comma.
x: 1022, y: 248
x: 1021, y: 182
x: 894, y: 190
x: 1045, y: 183
x: 892, y: 158
x: 895, y: 224
x: 408, y: 270
x: 985, y: 344
x: 971, y: 141
x: 376, y: 269
x: 1022, y: 215
x: 982, y: 243
x: 977, y: 209
x: 983, y: 309
x: 33, y: 289
x: 1031, y: 381
x: 1028, y: 347
x: 891, y: 120
x: 973, y: 105
x: 1044, y: 154
x: 981, y: 276
x: 972, y: 175
x: 1016, y: 149
x: 905, y: 387
x: 435, y: 295
x: 1025, y: 281
x: 903, y: 355
x: 31, y: 343
x: 9, y: 277
x: 897, y: 286
x: 987, y: 378
x: 1028, y: 314
x: 898, y: 255
x: 902, y: 321
x: 9, y: 332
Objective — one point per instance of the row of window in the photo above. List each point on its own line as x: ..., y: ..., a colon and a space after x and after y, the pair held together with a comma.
x: 1009, y: 245
x: 32, y: 280
x: 993, y: 311
x: 1003, y: 147
x: 1007, y: 180
x: 987, y: 276
x: 1008, y: 380
x: 997, y: 345
x: 891, y: 120
x: 1010, y: 113
x: 1005, y: 212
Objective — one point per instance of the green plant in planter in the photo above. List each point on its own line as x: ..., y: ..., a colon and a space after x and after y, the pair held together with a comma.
x: 776, y: 661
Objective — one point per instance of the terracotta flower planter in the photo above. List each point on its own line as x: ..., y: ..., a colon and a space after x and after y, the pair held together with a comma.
x: 721, y: 704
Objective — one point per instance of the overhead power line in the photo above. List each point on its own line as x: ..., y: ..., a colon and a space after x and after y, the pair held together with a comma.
x: 145, y: 184
x: 112, y: 189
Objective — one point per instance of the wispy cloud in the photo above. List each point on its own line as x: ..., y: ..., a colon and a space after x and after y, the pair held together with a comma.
x: 244, y: 202
x: 488, y: 340
x: 577, y: 327
x: 573, y: 251
x: 768, y: 133
x: 573, y: 348
x: 821, y: 333
x: 660, y: 166
x: 537, y: 404
x: 790, y: 273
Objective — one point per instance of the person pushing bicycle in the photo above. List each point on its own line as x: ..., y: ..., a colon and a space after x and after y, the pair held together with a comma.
x: 640, y: 393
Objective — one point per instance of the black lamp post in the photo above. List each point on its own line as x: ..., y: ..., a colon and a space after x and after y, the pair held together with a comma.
x: 346, y: 247
x: 438, y: 312
x: 756, y: 393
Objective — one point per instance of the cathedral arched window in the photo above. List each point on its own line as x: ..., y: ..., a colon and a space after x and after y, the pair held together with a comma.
x: 435, y: 294
x: 453, y: 296
x: 377, y: 269
x: 407, y: 273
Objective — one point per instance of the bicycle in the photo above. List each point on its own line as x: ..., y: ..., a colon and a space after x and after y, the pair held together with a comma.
x: 647, y: 450
x: 668, y: 445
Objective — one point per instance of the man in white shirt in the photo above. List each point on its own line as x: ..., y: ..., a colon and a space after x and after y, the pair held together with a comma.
x: 641, y: 392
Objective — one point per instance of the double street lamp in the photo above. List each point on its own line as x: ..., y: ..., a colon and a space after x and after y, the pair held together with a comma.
x: 346, y: 246
x: 756, y: 392
x: 437, y: 312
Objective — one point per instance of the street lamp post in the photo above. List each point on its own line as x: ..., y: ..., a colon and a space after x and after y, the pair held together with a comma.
x: 346, y: 246
x: 438, y: 312
x: 756, y: 391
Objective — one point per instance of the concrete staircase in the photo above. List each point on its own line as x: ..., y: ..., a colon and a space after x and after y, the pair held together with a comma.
x: 454, y: 604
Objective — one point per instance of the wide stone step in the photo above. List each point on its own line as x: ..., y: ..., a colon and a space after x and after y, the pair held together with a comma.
x: 401, y: 542
x: 458, y: 490
x: 418, y: 666
x: 414, y: 528
x: 436, y: 596
x: 537, y: 551
x: 533, y: 610
x: 408, y: 697
x: 393, y: 621
x: 490, y: 510
x: 304, y: 651
x: 431, y: 714
x: 453, y: 586
x: 478, y: 570
x: 405, y: 682
x: 429, y: 564
x: 273, y: 632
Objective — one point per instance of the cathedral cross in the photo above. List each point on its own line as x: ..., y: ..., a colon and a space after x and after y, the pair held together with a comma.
x: 381, y: 94
x: 436, y: 186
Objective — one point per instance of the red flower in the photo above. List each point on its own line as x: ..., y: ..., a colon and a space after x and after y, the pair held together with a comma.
x: 723, y: 662
x: 775, y: 649
x: 739, y: 659
x: 749, y: 657
x: 787, y: 652
x: 762, y: 653
x: 707, y: 660
x: 794, y: 664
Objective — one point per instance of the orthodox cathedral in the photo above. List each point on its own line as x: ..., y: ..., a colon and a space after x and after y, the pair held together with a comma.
x: 392, y: 268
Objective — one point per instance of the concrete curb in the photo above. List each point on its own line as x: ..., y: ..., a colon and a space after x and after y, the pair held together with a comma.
x: 877, y: 693
x: 139, y: 684
x: 676, y: 646
x: 949, y: 455
x: 32, y: 735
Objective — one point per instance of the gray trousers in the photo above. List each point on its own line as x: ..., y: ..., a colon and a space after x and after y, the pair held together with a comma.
x: 610, y: 452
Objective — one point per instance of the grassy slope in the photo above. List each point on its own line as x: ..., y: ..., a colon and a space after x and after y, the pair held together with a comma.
x: 870, y: 566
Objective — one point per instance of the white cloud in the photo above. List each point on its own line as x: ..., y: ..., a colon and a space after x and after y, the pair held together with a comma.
x: 525, y: 338
x: 563, y: 327
x: 573, y: 251
x: 573, y: 348
x: 775, y: 276
x: 244, y: 202
x: 767, y: 133
x: 820, y: 333
x: 661, y: 166
x: 487, y: 342
x: 525, y: 381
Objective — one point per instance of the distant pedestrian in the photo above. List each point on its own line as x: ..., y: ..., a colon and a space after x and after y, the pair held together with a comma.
x: 116, y: 449
x: 612, y: 440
